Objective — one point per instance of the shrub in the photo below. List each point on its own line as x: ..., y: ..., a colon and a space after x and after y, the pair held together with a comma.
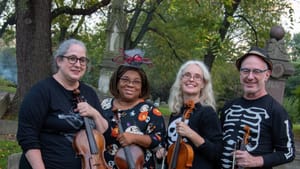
x: 290, y: 104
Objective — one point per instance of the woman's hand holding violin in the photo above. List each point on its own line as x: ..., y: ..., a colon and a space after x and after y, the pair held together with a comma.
x: 87, y: 110
x: 183, y: 129
x: 126, y: 138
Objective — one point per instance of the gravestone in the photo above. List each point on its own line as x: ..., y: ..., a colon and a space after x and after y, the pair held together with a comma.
x: 4, y: 102
x: 282, y: 67
x: 13, y: 161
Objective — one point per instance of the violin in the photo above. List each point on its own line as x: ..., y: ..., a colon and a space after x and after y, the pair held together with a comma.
x: 89, y: 144
x: 180, y: 154
x: 128, y: 157
x: 242, y: 146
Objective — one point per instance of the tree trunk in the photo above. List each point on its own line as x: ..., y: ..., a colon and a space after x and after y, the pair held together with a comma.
x: 33, y: 47
x: 209, y: 58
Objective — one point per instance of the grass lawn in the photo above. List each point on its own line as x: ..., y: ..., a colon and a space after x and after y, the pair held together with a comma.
x: 296, y: 128
x: 7, y: 148
x: 164, y: 110
x: 10, y: 147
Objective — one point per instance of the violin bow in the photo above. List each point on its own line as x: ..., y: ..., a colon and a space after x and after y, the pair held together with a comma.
x: 164, y: 159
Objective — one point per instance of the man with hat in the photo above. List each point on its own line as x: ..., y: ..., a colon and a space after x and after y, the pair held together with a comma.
x: 257, y: 132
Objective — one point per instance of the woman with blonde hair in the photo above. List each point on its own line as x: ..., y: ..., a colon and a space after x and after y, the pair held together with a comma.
x: 202, y: 130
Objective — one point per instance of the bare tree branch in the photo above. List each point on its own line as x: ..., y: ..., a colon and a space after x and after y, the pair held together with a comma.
x: 144, y: 27
x: 2, y: 6
x: 75, y: 32
x: 10, y: 21
x: 55, y: 13
x: 132, y: 23
x: 79, y: 11
x: 229, y: 12
x: 252, y: 27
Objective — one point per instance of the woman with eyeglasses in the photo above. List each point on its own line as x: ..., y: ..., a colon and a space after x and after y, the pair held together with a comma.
x: 50, y: 117
x: 201, y: 129
x: 132, y: 120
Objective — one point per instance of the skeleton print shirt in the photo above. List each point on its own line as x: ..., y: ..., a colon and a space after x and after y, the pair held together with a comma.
x: 270, y: 130
x: 142, y: 119
x: 205, y: 122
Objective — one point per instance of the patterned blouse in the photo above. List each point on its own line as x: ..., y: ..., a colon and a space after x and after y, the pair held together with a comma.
x: 144, y: 119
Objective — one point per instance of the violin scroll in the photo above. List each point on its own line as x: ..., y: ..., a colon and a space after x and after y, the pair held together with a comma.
x: 189, y: 106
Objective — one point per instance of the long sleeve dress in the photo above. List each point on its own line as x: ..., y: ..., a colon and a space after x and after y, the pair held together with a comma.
x: 144, y: 119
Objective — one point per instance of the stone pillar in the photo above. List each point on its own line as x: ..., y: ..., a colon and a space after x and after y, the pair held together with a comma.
x: 116, y: 28
x: 282, y: 68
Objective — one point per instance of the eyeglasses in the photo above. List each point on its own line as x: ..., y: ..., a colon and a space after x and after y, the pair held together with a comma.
x: 246, y: 71
x: 188, y: 76
x: 127, y: 81
x: 73, y: 59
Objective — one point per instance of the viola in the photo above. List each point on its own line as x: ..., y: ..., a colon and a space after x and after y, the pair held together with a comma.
x: 88, y: 143
x: 128, y: 157
x: 242, y: 146
x: 180, y: 154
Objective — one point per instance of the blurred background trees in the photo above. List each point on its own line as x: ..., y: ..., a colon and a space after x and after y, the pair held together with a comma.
x: 169, y: 31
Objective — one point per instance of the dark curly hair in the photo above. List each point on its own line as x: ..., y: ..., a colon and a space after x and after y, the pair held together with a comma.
x: 122, y: 69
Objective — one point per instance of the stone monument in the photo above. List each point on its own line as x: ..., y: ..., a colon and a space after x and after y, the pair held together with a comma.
x: 282, y: 68
x: 116, y: 28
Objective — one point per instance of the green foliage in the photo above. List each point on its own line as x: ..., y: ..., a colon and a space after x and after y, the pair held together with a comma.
x: 164, y: 110
x: 225, y: 82
x: 296, y: 130
x: 7, y: 148
x: 297, y: 95
x: 292, y: 94
x: 7, y: 86
x: 179, y: 31
x: 161, y: 76
x: 95, y: 45
x: 293, y: 81
x: 291, y: 104
x: 295, y: 47
x: 89, y: 29
x: 184, y: 30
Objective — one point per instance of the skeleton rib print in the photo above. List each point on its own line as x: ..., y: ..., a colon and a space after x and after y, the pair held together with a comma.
x: 236, y: 118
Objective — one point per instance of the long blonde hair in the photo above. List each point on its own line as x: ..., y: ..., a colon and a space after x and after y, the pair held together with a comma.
x: 206, y: 94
